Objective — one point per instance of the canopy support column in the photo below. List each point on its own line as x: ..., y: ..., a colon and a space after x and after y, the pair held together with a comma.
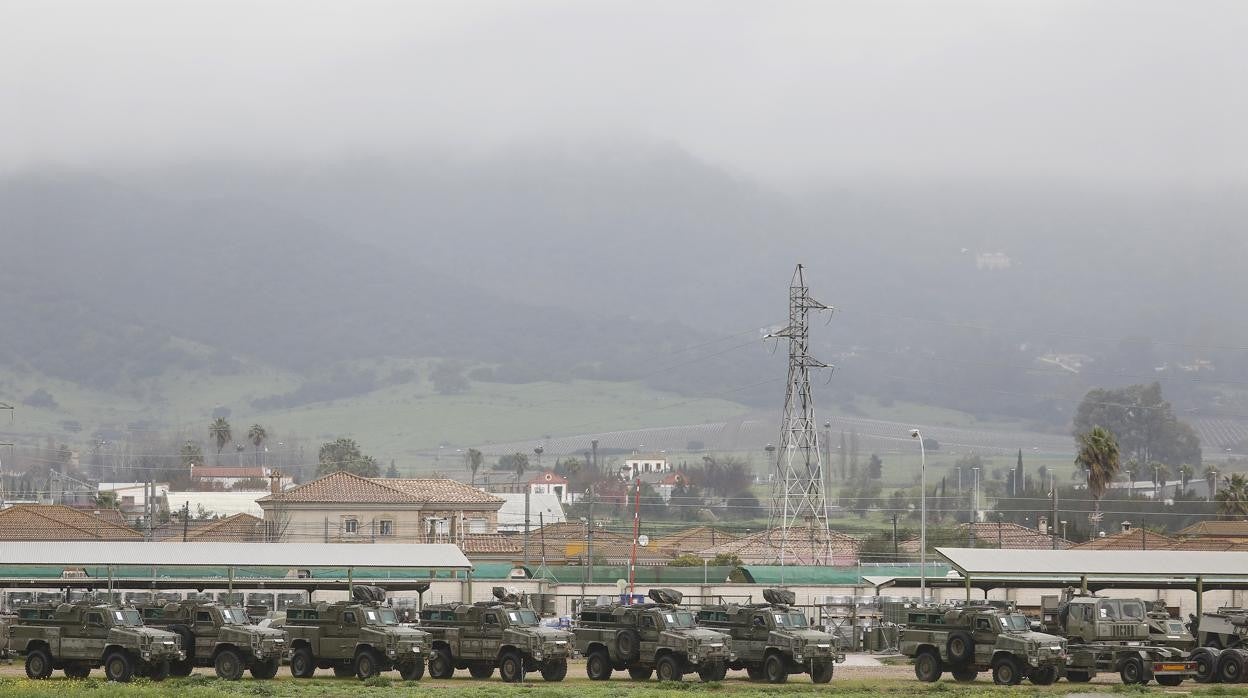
x: 230, y: 573
x: 1200, y: 597
x: 110, y: 584
x: 1083, y: 584
x: 968, y: 588
x: 351, y: 582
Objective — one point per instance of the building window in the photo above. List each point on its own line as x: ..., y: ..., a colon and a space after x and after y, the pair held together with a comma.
x: 477, y: 526
x: 385, y: 527
x: 350, y: 525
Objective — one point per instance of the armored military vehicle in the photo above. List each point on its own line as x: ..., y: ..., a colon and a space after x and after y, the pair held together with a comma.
x: 1221, y: 635
x: 647, y: 638
x: 503, y: 633
x: 1167, y: 631
x: 79, y: 637
x: 1112, y: 635
x: 221, y: 637
x: 773, y: 639
x: 971, y: 639
x: 1225, y: 627
x: 359, y: 637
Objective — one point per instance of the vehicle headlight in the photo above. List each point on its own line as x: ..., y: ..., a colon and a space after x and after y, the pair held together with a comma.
x: 693, y: 658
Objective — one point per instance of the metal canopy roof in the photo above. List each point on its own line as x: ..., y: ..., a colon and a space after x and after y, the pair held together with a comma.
x: 985, y: 583
x: 1176, y: 564
x: 293, y: 555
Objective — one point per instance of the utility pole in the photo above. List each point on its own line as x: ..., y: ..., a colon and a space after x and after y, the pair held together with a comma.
x: 589, y: 535
x: 186, y: 516
x: 527, y: 491
x: 632, y: 563
x: 1053, y: 513
x: 894, y: 538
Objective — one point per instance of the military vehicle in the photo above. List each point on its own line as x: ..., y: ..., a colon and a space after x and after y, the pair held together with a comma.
x: 1167, y: 631
x: 1220, y: 656
x: 359, y: 637
x: 482, y: 636
x: 221, y: 637
x: 971, y: 639
x: 79, y: 637
x: 648, y: 638
x: 773, y: 639
x: 1223, y: 628
x: 1112, y: 635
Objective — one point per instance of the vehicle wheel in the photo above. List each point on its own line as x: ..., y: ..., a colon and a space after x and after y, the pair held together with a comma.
x: 555, y: 670
x: 77, y: 671
x: 1044, y: 676
x: 598, y: 666
x: 228, y: 665
x: 266, y: 669
x: 964, y: 674
x: 1170, y: 680
x: 668, y: 669
x: 182, y: 667
x: 1005, y: 671
x: 640, y: 673
x: 712, y: 672
x: 927, y: 666
x: 367, y: 664
x: 412, y: 670
x: 441, y: 666
x: 754, y: 673
x: 960, y: 648
x: 38, y: 664
x: 118, y: 667
x: 821, y: 671
x: 1230, y: 667
x: 159, y: 671
x: 302, y: 663
x: 1206, y: 660
x: 628, y: 642
x: 1132, y: 670
x: 1075, y: 676
x: 774, y: 670
x: 480, y: 671
x: 511, y: 667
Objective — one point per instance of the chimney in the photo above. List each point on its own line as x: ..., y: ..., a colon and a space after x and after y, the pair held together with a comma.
x: 275, y: 481
x: 1043, y: 524
x: 1126, y: 526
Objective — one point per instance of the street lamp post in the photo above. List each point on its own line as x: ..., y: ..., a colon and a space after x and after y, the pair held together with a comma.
x: 914, y: 433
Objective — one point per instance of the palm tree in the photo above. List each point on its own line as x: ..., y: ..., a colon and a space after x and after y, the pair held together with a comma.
x: 1186, y: 473
x: 475, y: 459
x: 1233, y: 497
x: 257, y: 434
x: 521, y: 463
x: 219, y: 431
x: 1098, y: 455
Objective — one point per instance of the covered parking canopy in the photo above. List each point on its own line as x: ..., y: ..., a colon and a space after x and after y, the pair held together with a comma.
x: 986, y: 568
x: 306, y: 566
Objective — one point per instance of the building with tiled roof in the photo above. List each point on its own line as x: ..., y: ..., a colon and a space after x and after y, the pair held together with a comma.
x: 550, y: 482
x: 344, y: 507
x: 1129, y: 539
x: 568, y: 543
x: 764, y: 547
x: 995, y: 534
x: 695, y: 538
x: 1216, y: 528
x: 54, y: 522
x: 238, y: 528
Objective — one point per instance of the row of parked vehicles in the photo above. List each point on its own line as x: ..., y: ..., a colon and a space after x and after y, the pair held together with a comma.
x: 363, y: 637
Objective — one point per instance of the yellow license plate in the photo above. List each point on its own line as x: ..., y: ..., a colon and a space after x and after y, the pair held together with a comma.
x: 1173, y: 667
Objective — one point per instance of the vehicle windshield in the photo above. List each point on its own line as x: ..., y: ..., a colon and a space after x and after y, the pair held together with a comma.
x: 127, y: 616
x: 1132, y: 610
x: 797, y: 619
x: 1015, y: 622
x: 678, y: 619
x: 522, y: 616
x: 380, y: 616
x: 234, y: 616
x: 1175, y: 627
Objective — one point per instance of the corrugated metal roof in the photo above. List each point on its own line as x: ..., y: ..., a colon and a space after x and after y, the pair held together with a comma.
x: 987, y: 562
x: 295, y: 555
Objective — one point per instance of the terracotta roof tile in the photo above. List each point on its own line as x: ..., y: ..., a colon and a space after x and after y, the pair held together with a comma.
x: 441, y: 490
x: 1218, y: 528
x: 496, y: 544
x: 803, y: 542
x: 696, y: 538
x: 347, y: 487
x: 1138, y: 539
x: 53, y: 522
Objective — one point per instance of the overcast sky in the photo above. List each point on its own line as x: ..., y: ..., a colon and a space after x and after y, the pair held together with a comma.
x: 1130, y: 91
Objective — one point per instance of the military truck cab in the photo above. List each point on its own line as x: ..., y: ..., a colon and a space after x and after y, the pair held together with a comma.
x: 645, y: 639
x: 972, y: 639
x: 219, y: 636
x: 773, y: 640
x: 500, y: 634
x: 79, y: 637
x: 360, y: 638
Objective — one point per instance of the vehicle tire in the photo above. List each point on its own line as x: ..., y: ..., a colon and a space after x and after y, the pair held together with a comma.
x: 38, y: 664
x: 927, y: 666
x: 367, y: 664
x: 159, y: 671
x: 119, y: 667
x: 821, y: 671
x: 637, y: 673
x: 629, y: 644
x: 960, y: 648
x: 480, y: 671
x: 302, y: 663
x: 441, y: 665
x: 598, y: 666
x: 511, y: 667
x: 964, y: 674
x: 77, y: 671
x: 774, y: 669
x: 228, y: 665
x: 1206, y: 659
x: 266, y: 669
x: 1170, y: 680
x: 710, y: 672
x: 1076, y: 676
x: 722, y: 673
x: 412, y: 669
x: 1044, y: 676
x: 1132, y: 671
x: 1005, y: 671
x: 668, y: 669
x: 555, y: 670
x: 755, y: 673
x: 1230, y: 666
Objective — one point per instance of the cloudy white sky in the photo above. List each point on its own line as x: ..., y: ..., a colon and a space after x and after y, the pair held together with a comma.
x: 1131, y: 90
